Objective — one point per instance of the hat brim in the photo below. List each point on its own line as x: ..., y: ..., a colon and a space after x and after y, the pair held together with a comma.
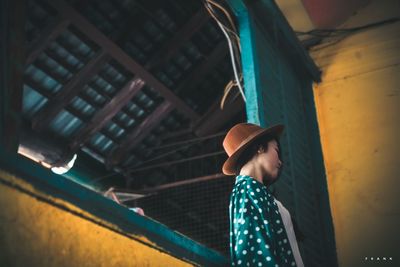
x: 229, y: 166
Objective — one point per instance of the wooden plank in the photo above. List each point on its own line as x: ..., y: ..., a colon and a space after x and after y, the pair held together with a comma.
x: 68, y: 92
x: 107, y: 112
x: 118, y: 54
x: 50, y: 33
x: 139, y: 133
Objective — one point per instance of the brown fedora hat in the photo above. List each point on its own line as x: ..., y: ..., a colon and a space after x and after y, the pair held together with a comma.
x: 239, y: 137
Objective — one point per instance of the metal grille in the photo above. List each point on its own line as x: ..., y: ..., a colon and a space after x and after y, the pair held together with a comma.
x: 198, y: 210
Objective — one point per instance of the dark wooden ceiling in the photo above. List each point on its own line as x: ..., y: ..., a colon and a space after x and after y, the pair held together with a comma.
x: 114, y: 79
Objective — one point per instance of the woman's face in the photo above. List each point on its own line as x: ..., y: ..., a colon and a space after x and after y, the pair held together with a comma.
x: 270, y: 162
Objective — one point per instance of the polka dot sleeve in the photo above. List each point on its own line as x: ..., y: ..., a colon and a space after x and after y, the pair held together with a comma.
x: 251, y: 230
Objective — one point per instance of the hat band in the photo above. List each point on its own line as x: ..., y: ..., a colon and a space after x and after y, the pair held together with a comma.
x: 248, y: 139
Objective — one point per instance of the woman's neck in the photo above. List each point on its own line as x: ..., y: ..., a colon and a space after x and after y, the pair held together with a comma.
x: 252, y: 170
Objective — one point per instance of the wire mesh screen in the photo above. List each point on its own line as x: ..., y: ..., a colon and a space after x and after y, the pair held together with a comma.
x: 198, y: 210
x: 183, y: 186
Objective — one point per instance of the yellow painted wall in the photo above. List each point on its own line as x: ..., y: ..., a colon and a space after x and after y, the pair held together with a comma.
x: 358, y: 109
x: 35, y: 233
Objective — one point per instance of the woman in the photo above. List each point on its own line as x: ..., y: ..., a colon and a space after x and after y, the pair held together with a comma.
x: 261, y: 231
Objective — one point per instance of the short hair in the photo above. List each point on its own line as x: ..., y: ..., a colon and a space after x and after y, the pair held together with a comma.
x: 249, y: 153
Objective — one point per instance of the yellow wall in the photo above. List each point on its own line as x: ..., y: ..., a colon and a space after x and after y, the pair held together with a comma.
x: 358, y: 109
x: 35, y: 233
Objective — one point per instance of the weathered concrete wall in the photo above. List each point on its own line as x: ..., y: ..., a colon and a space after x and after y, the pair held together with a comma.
x: 358, y: 108
x: 34, y: 232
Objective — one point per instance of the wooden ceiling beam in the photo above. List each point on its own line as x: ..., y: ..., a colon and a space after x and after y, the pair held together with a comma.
x: 107, y: 112
x: 192, y: 79
x: 36, y: 86
x: 43, y: 118
x: 139, y: 133
x: 50, y: 33
x: 159, y: 58
x: 121, y: 56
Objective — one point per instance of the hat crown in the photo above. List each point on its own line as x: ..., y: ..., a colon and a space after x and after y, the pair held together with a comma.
x: 238, y: 135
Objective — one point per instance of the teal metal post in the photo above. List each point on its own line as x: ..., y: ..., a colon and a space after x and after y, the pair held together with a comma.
x: 252, y: 87
x: 278, y: 75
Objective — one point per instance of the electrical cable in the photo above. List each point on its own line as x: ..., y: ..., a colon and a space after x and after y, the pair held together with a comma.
x: 233, y: 62
x: 233, y: 30
x: 227, y: 89
x: 237, y: 48
x: 214, y: 15
x: 328, y: 32
x: 225, y: 12
x: 233, y: 57
x: 340, y: 34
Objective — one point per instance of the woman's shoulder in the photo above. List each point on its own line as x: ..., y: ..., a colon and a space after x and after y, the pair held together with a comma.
x: 248, y: 186
x: 250, y: 183
x: 247, y: 180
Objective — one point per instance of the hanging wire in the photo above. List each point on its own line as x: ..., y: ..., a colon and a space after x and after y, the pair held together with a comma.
x: 231, y: 50
x: 233, y: 45
x: 334, y: 32
x: 338, y: 35
x: 227, y: 89
x: 233, y: 31
x: 179, y: 146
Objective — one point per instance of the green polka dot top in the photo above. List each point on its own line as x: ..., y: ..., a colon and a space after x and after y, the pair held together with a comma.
x: 257, y: 233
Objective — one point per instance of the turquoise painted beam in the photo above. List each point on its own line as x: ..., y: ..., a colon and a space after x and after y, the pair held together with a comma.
x: 251, y: 74
x: 278, y: 75
x: 250, y: 63
x: 263, y: 29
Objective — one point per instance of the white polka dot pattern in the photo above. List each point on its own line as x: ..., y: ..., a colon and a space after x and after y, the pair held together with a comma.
x: 257, y: 235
